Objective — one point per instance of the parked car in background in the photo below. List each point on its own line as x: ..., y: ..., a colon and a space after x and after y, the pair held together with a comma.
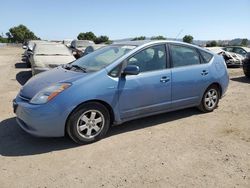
x: 49, y: 55
x: 246, y: 65
x: 92, y: 48
x: 78, y: 47
x: 237, y: 49
x: 67, y: 42
x: 118, y: 83
x: 29, y: 50
x: 232, y: 59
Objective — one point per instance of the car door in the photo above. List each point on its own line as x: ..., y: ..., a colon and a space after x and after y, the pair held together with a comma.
x: 189, y: 76
x: 150, y: 90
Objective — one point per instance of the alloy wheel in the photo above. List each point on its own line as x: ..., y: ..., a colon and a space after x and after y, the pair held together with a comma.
x: 90, y: 124
x: 211, y: 98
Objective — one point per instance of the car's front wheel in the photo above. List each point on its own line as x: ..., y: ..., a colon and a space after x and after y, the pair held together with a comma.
x: 210, y: 99
x: 88, y: 123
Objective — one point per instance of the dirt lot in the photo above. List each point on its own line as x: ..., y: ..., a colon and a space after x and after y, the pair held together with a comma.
x: 179, y: 149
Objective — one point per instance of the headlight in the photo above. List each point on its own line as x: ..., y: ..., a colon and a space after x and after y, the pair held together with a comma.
x: 49, y: 93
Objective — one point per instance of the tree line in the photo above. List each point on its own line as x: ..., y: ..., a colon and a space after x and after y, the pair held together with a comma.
x: 91, y: 36
x: 21, y: 34
x: 18, y: 34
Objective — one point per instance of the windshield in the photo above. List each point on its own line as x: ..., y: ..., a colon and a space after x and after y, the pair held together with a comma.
x: 103, y: 57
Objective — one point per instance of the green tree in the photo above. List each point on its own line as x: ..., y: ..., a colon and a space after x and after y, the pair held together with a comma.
x: 101, y: 39
x: 212, y: 44
x: 158, y: 38
x: 188, y: 39
x: 3, y: 40
x: 20, y: 34
x: 87, y: 36
x: 244, y: 42
x: 139, y: 38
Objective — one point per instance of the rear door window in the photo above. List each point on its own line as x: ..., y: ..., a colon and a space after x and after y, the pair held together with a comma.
x: 183, y: 56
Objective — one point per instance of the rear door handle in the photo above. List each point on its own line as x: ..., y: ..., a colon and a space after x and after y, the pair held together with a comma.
x: 204, y: 72
x: 165, y: 79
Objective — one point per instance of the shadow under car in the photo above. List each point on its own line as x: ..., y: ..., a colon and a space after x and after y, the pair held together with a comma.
x: 15, y: 142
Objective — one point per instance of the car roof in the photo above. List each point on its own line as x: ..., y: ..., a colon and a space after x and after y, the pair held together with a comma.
x: 143, y: 42
x: 149, y: 42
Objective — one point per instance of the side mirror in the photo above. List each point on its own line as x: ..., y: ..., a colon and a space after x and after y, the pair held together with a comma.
x: 131, y: 70
x: 24, y: 47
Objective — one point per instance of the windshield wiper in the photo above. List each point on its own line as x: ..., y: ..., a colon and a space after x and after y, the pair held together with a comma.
x: 79, y: 67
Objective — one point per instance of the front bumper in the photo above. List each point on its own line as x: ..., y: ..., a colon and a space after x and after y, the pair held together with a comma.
x: 39, y: 120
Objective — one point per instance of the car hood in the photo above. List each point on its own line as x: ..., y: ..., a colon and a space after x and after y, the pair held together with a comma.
x: 52, y: 60
x: 45, y: 79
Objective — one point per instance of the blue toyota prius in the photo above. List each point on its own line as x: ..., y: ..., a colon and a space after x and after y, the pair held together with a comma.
x: 117, y: 83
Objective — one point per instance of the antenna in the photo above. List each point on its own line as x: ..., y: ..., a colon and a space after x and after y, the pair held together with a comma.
x: 178, y: 34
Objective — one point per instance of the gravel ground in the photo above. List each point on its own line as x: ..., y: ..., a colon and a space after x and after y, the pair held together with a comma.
x: 178, y: 149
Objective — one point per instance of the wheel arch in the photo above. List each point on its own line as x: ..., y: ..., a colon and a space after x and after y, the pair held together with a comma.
x: 108, y: 106
x: 217, y: 85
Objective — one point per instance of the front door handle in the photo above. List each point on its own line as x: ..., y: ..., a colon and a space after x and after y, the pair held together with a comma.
x: 204, y: 72
x: 165, y: 79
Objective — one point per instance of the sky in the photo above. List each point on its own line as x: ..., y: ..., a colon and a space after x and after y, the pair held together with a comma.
x: 119, y: 19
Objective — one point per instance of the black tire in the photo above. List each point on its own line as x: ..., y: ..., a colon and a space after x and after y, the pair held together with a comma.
x: 82, y: 112
x: 28, y: 64
x: 247, y: 74
x: 206, y: 100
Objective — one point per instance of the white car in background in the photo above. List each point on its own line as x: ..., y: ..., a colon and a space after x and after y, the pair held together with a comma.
x: 92, y: 48
x: 238, y: 50
x: 78, y: 47
x: 67, y: 42
x: 232, y: 59
x: 49, y: 55
x: 29, y: 50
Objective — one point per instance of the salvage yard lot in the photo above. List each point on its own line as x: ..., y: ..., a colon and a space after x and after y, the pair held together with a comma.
x: 178, y: 149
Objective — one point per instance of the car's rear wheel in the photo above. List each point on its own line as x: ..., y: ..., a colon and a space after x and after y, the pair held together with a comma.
x: 210, y: 99
x: 88, y: 123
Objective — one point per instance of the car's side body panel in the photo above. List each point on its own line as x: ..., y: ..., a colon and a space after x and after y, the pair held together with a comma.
x: 144, y: 93
x: 188, y: 84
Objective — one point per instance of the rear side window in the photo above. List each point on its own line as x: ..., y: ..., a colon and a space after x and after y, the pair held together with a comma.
x: 183, y: 56
x: 206, y: 56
